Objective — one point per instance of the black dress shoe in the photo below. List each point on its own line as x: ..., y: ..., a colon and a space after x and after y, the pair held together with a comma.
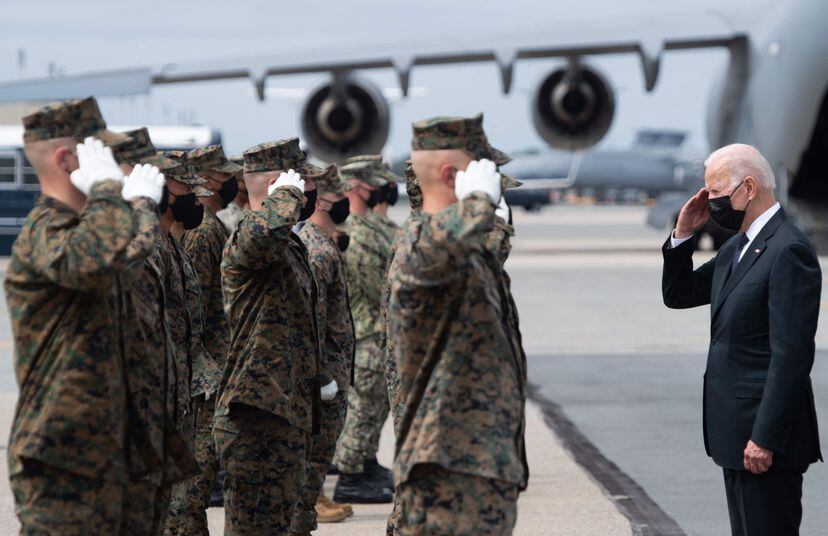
x: 361, y: 488
x: 378, y: 472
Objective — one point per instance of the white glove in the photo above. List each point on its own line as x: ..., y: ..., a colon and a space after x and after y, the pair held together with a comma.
x: 96, y: 164
x: 291, y: 178
x: 503, y: 209
x: 144, y: 181
x: 328, y: 392
x: 480, y: 176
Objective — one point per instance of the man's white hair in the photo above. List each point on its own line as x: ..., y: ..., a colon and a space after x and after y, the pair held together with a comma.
x: 740, y: 161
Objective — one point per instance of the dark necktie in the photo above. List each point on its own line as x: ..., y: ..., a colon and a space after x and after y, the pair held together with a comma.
x: 740, y: 244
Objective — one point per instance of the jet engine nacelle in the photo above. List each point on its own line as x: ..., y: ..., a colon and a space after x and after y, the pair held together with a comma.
x: 573, y: 107
x: 345, y: 117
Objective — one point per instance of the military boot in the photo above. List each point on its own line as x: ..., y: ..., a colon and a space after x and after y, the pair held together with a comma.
x: 378, y: 472
x: 328, y: 511
x: 361, y: 488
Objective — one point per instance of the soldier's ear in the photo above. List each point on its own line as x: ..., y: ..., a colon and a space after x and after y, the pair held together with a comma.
x: 447, y: 175
x: 65, y: 160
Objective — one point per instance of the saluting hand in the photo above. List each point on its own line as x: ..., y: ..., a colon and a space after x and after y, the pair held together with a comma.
x: 96, y: 164
x: 291, y: 178
x: 144, y: 181
x: 757, y: 459
x: 693, y: 215
x: 479, y: 176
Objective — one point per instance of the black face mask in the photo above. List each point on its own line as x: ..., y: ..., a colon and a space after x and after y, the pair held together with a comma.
x: 164, y: 204
x: 340, y: 210
x: 228, y: 191
x: 375, y: 198
x: 187, y: 211
x: 342, y: 241
x: 391, y: 194
x: 309, y: 207
x: 723, y: 213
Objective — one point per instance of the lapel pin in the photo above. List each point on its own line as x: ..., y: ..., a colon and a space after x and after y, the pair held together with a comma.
x: 758, y: 250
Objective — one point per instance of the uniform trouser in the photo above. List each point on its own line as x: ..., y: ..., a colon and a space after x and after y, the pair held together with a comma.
x: 191, y: 498
x: 435, y: 501
x: 265, y: 460
x: 767, y: 504
x: 367, y: 409
x: 321, y: 455
x: 392, y: 380
x: 52, y: 501
x: 145, y: 508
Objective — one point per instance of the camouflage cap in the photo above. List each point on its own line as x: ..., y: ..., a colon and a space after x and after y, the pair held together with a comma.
x: 77, y: 118
x: 280, y: 155
x: 412, y: 187
x: 364, y: 171
x: 507, y: 182
x: 138, y: 149
x: 464, y: 133
x: 380, y: 168
x: 212, y: 158
x: 182, y: 172
x: 201, y: 191
x: 237, y: 159
x: 330, y: 181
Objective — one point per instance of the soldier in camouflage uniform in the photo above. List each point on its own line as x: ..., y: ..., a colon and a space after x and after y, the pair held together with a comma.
x: 361, y: 478
x: 388, y: 196
x: 204, y: 246
x: 148, y: 358
x: 232, y: 214
x: 195, y: 375
x: 65, y: 285
x: 269, y: 402
x: 460, y: 452
x: 336, y: 336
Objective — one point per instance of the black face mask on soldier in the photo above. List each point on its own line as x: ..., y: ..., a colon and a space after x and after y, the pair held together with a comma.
x: 342, y: 241
x: 375, y: 198
x: 391, y: 194
x: 165, y: 200
x: 228, y: 191
x: 340, y: 210
x: 187, y: 211
x: 723, y: 213
x: 309, y: 207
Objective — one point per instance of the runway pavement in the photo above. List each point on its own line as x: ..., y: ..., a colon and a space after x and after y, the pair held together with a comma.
x: 615, y: 374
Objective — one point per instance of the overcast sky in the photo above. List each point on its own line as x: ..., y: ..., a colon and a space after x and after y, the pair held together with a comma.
x: 96, y: 35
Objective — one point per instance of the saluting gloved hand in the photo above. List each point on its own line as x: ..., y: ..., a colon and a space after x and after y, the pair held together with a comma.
x: 144, y: 181
x: 328, y: 392
x: 291, y: 178
x: 503, y: 209
x: 480, y: 176
x: 96, y: 164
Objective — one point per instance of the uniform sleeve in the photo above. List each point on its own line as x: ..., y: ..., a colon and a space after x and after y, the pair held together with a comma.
x: 793, y: 308
x: 87, y: 256
x: 498, y: 240
x: 447, y: 237
x: 147, y: 232
x: 366, y: 262
x: 198, y: 244
x: 323, y: 274
x: 263, y: 234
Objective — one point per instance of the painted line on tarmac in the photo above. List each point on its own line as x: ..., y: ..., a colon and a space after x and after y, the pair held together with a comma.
x: 645, y: 516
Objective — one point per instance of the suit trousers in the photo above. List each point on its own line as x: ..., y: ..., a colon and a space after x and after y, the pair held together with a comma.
x: 767, y: 504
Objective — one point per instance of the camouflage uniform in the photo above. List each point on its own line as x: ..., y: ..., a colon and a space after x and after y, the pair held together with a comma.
x: 67, y: 450
x: 336, y: 333
x: 366, y: 262
x: 196, y: 375
x: 230, y: 216
x: 269, y: 403
x: 453, y: 333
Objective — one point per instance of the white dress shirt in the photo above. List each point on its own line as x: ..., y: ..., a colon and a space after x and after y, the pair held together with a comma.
x: 752, y: 232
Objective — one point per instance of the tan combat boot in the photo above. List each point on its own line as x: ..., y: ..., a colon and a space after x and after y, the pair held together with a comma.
x: 328, y: 511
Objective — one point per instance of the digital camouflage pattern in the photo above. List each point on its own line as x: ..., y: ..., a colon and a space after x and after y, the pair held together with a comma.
x: 379, y: 168
x: 336, y: 326
x: 330, y: 181
x: 138, y: 149
x: 270, y: 302
x: 49, y: 500
x: 187, y: 514
x: 280, y: 155
x: 204, y: 245
x: 438, y: 501
x: 145, y: 508
x: 499, y: 240
x: 61, y: 290
x: 369, y: 172
x: 412, y: 187
x: 265, y: 459
x: 323, y: 448
x: 212, y: 158
x: 457, y: 348
x: 182, y: 173
x: 389, y: 227
x: 465, y: 133
x: 76, y: 118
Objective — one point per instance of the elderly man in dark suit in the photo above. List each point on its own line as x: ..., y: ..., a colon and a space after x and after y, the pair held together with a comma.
x: 764, y: 286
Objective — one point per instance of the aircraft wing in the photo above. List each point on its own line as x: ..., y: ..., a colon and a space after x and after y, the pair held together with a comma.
x: 648, y: 39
